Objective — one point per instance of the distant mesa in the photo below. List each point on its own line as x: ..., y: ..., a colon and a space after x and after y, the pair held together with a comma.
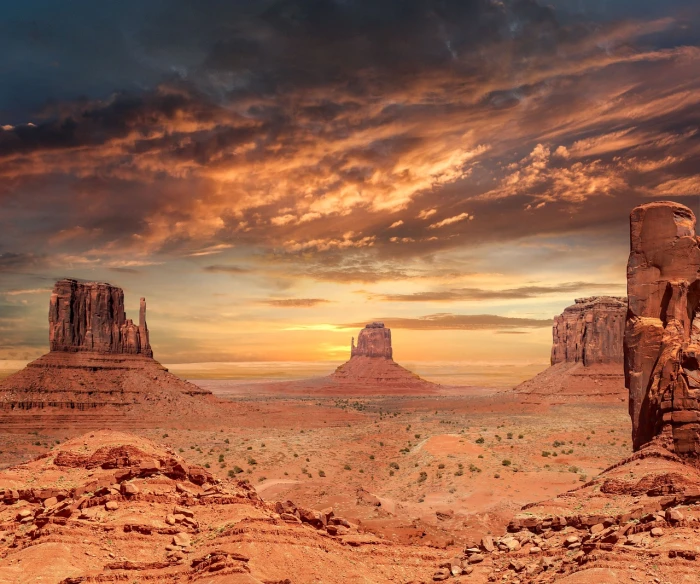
x: 591, y: 331
x: 587, y: 355
x: 371, y: 362
x: 98, y: 359
x: 662, y: 337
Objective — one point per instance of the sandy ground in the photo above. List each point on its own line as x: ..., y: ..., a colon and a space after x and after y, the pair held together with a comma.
x: 474, y: 456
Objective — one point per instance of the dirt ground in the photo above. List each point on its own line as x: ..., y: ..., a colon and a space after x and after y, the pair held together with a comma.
x: 431, y: 469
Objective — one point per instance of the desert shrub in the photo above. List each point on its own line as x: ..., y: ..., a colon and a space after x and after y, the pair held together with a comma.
x: 496, y: 476
x: 509, y: 435
x: 207, y: 465
x: 417, y: 436
x: 391, y: 473
x: 546, y: 453
x: 165, y: 435
x: 347, y: 467
x: 423, y: 476
x: 371, y: 456
x: 221, y: 457
x: 252, y: 461
x: 321, y: 473
x: 441, y: 466
x: 506, y: 462
x: 480, y: 440
x: 394, y: 465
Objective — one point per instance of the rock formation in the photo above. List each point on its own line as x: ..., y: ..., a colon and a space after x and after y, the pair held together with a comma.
x: 98, y: 359
x: 89, y: 316
x: 590, y: 331
x: 371, y: 362
x: 662, y: 337
x: 373, y: 341
x: 587, y: 355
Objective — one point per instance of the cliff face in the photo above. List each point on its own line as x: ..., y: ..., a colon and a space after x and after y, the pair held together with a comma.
x: 90, y: 317
x: 590, y: 331
x: 662, y: 336
x: 373, y: 341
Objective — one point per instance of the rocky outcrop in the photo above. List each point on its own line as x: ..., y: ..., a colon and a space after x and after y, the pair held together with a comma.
x: 90, y: 316
x: 662, y: 336
x: 591, y: 331
x: 373, y: 341
x: 115, y: 507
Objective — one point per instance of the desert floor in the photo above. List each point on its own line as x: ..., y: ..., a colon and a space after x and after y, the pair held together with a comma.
x: 443, y: 467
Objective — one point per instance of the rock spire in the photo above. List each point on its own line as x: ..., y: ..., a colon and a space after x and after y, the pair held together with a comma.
x: 662, y: 335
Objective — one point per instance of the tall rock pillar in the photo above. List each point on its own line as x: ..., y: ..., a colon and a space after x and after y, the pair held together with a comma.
x: 662, y: 332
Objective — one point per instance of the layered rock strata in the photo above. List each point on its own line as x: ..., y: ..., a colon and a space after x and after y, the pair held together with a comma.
x: 591, y: 331
x: 662, y: 336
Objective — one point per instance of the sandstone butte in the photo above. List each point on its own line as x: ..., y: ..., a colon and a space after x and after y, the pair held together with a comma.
x: 371, y: 363
x: 100, y: 363
x: 587, y: 355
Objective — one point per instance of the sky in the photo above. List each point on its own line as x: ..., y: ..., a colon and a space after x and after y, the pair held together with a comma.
x: 271, y: 175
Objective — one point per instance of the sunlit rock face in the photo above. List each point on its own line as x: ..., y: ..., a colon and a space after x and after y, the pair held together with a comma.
x: 90, y: 316
x: 590, y: 331
x: 662, y: 335
x: 373, y: 341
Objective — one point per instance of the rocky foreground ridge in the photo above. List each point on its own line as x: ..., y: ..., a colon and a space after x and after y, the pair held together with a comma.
x: 114, y: 507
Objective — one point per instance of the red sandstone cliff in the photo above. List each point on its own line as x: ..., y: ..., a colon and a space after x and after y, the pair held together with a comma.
x: 90, y: 316
x: 590, y: 331
x: 662, y: 337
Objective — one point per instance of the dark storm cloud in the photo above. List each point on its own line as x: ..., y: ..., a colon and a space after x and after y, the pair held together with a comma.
x: 321, y: 128
x: 470, y: 322
x: 468, y: 294
x: 11, y: 262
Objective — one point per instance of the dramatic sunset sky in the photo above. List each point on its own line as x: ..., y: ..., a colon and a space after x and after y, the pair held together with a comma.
x: 273, y: 174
